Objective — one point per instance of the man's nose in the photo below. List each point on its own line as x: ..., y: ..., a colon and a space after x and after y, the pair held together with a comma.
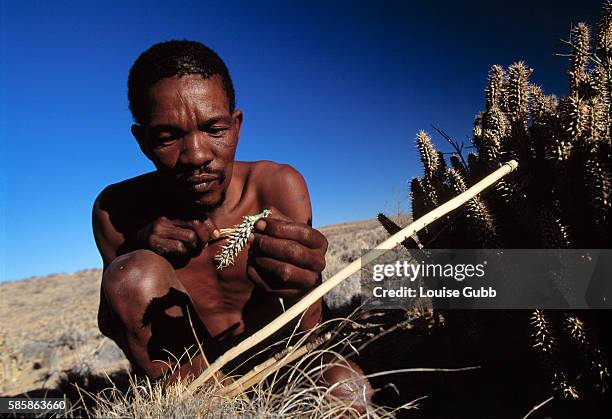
x: 196, y: 150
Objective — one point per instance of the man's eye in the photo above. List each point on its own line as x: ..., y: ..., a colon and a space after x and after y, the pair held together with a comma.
x: 165, y: 138
x: 217, y: 132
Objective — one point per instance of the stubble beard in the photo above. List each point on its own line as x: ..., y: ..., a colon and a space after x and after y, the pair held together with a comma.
x: 209, y: 207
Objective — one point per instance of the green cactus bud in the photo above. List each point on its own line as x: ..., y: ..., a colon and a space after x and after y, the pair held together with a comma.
x: 601, y: 86
x: 577, y: 331
x: 542, y: 338
x: 495, y: 129
x: 573, y: 118
x: 582, y: 338
x: 417, y: 195
x: 507, y: 190
x: 543, y: 130
x: 392, y: 228
x: 456, y: 181
x: 441, y: 172
x: 495, y: 85
x: 429, y: 156
x: 477, y: 130
x: 579, y: 57
x: 517, y: 94
x: 430, y: 194
x: 473, y: 165
x: 542, y: 106
x: 574, y: 113
x: 479, y: 217
x: 604, y: 31
x: 597, y: 179
x: 553, y: 233
x: 566, y: 390
x: 596, y: 124
x: 457, y: 164
x: 545, y: 343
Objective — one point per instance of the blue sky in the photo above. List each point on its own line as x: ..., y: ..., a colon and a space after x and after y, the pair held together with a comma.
x: 337, y: 89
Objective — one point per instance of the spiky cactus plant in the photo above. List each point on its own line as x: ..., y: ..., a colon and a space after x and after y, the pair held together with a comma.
x: 545, y: 342
x: 562, y: 145
x: 559, y: 197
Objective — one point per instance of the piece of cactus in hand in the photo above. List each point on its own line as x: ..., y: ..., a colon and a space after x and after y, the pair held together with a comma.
x: 237, y: 240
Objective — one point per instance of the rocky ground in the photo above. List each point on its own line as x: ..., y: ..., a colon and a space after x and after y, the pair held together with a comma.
x: 50, y: 330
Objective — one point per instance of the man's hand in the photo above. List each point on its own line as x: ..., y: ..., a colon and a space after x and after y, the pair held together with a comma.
x: 176, y: 237
x: 286, y: 258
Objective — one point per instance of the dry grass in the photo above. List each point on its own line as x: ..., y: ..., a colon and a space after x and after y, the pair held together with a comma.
x: 49, y: 326
x: 346, y: 243
x: 295, y: 391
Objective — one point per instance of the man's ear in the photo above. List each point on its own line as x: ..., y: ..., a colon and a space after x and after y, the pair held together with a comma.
x: 139, y: 133
x: 237, y: 121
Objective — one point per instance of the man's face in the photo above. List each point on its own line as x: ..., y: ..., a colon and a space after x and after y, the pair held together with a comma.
x: 191, y: 137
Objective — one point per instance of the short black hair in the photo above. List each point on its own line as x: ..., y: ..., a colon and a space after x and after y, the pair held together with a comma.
x: 174, y: 58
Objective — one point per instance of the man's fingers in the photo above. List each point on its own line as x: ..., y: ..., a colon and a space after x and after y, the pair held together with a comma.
x: 185, y: 235
x: 279, y: 225
x: 275, y: 214
x: 205, y: 230
x: 211, y: 227
x: 168, y: 246
x: 298, y: 232
x: 178, y: 223
x: 287, y: 251
x: 280, y: 275
x: 256, y: 277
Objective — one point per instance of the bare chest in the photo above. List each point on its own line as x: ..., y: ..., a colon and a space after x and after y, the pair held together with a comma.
x: 219, y: 295
x: 213, y: 286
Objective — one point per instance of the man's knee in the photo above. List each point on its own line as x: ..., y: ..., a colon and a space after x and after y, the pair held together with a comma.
x: 132, y: 280
x: 135, y: 274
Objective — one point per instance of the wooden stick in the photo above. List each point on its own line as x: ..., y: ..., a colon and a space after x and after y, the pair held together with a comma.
x: 273, y: 364
x: 347, y: 271
x: 262, y: 375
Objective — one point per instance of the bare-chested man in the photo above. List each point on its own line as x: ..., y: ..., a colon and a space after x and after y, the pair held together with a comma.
x: 158, y: 233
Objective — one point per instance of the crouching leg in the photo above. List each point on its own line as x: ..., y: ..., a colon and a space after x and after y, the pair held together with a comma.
x: 149, y: 314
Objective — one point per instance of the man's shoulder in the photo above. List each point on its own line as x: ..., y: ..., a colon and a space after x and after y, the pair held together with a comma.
x: 127, y: 191
x: 265, y: 169
x: 280, y: 186
x: 266, y: 174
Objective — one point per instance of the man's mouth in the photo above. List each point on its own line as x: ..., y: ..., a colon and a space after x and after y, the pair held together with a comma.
x: 202, y: 182
x: 202, y: 187
x: 201, y: 178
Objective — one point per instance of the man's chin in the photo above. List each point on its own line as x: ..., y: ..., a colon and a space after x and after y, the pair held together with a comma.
x: 207, y: 202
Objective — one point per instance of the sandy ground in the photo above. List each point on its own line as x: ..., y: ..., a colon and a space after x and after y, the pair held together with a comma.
x: 50, y: 328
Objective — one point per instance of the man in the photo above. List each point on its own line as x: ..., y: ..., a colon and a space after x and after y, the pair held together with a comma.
x: 158, y: 233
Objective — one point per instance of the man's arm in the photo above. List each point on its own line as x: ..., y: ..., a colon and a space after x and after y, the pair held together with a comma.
x: 161, y: 235
x: 288, y: 252
x: 108, y: 239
